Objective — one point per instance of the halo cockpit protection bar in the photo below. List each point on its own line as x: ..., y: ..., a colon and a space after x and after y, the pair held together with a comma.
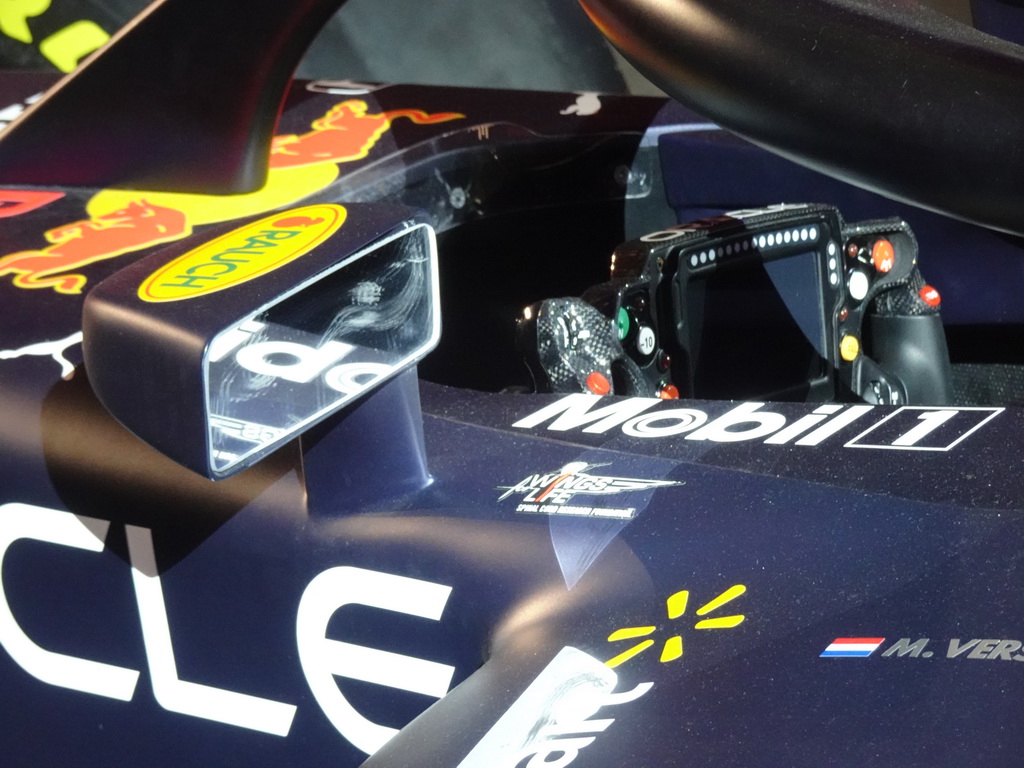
x: 891, y: 96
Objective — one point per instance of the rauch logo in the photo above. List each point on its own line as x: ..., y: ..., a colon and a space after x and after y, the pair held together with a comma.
x: 244, y: 254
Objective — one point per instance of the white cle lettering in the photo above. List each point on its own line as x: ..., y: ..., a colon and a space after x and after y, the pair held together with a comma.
x: 24, y: 521
x: 746, y: 421
x: 322, y: 658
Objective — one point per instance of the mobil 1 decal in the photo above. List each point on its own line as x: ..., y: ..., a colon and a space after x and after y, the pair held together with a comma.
x: 924, y: 428
x: 911, y: 428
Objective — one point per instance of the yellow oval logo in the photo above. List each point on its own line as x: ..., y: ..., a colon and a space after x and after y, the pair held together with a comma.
x: 244, y: 254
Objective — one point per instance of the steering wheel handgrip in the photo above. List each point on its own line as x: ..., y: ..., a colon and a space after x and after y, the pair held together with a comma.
x: 908, y: 340
x: 570, y: 346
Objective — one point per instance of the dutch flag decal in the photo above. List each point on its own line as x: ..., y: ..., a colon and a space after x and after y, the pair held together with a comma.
x: 852, y: 647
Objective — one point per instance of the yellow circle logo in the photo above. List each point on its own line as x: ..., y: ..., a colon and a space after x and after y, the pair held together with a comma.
x: 244, y: 254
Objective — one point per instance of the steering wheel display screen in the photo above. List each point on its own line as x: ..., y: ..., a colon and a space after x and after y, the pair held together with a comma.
x: 760, y: 327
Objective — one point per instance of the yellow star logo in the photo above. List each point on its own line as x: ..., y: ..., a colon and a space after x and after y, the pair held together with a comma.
x: 676, y: 605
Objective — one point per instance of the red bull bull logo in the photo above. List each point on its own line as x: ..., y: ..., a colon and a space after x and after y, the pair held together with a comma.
x: 80, y: 243
x: 345, y: 133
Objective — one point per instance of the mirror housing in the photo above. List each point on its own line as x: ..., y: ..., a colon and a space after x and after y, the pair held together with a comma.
x: 220, y: 348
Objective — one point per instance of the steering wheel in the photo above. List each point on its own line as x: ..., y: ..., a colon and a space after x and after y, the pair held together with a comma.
x: 889, y: 95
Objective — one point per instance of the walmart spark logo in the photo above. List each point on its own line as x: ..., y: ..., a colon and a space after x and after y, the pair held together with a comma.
x: 672, y: 648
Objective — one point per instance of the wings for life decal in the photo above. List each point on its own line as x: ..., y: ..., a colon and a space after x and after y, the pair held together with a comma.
x: 550, y: 493
x: 126, y: 221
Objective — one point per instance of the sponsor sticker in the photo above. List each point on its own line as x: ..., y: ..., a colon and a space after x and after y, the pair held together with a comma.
x: 979, y: 649
x: 922, y: 428
x: 554, y: 718
x: 575, y: 700
x: 675, y: 608
x: 328, y: 666
x: 549, y: 493
x: 911, y: 428
x: 244, y: 254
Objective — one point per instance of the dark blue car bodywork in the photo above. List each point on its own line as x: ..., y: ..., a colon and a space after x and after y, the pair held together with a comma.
x: 450, y: 571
